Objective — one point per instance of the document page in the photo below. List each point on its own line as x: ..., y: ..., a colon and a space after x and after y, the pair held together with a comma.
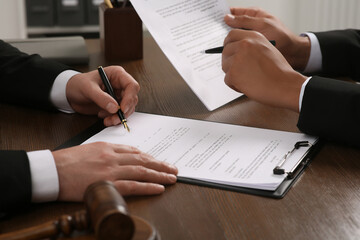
x: 183, y: 29
x: 214, y: 152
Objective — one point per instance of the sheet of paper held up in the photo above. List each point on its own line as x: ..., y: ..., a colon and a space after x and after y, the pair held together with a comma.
x: 215, y: 152
x: 184, y: 28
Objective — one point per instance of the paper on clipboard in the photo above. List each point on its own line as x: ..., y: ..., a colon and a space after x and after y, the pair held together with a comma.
x: 212, y: 152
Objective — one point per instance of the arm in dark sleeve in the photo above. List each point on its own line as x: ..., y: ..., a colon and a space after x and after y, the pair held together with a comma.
x: 26, y: 79
x: 15, y: 181
x: 340, y: 51
x: 331, y: 109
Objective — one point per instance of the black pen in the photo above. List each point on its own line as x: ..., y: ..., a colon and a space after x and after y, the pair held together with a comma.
x: 110, y: 90
x: 220, y: 49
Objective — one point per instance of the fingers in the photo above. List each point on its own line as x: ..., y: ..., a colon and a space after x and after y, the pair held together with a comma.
x: 127, y: 188
x: 124, y: 86
x: 249, y: 18
x: 145, y: 160
x: 112, y: 120
x: 129, y: 98
x: 128, y: 155
x: 126, y: 90
x: 231, y: 60
x: 131, y: 156
x: 244, y: 22
x: 121, y: 148
x: 237, y: 40
x: 236, y: 35
x: 143, y: 174
x: 103, y: 99
x: 227, y: 58
x: 243, y: 50
x: 138, y: 166
x: 140, y: 174
x: 233, y: 43
x: 251, y: 11
x: 243, y: 36
x: 134, y: 172
x: 228, y: 81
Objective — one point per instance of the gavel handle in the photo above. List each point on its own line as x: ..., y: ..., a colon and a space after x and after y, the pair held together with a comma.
x: 45, y: 230
x: 66, y: 224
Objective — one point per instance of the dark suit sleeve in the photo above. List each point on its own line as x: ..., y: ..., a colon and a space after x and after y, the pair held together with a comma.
x: 15, y: 181
x: 26, y: 79
x: 340, y: 51
x: 331, y: 109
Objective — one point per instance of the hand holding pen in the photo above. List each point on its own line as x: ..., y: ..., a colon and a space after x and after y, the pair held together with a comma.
x: 110, y: 90
x: 85, y: 94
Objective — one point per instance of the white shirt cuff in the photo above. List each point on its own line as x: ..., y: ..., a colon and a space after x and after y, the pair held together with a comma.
x: 44, y: 176
x: 315, y: 60
x: 58, y: 91
x: 302, y: 92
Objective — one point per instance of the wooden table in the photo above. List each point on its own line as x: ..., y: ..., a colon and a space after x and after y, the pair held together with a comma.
x: 323, y: 204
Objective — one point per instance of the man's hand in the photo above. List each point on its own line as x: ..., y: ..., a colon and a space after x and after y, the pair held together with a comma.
x: 132, y: 171
x: 296, y: 49
x: 256, y: 68
x: 87, y: 95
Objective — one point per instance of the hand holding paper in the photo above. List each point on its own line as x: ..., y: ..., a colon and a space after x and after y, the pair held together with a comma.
x: 183, y: 29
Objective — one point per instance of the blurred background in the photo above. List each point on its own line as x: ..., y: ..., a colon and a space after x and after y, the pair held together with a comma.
x: 42, y: 18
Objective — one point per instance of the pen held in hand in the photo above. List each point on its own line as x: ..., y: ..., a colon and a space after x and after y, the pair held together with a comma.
x: 110, y: 90
x: 220, y: 49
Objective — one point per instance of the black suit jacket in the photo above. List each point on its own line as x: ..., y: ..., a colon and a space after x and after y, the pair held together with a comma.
x: 331, y: 108
x: 25, y: 80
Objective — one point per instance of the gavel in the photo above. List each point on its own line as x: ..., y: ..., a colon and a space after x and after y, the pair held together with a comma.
x: 106, y: 214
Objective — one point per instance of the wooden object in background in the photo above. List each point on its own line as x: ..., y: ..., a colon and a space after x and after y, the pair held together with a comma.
x: 66, y: 224
x: 121, y: 33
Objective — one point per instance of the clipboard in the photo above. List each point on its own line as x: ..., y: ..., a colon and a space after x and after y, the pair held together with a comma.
x: 279, y: 193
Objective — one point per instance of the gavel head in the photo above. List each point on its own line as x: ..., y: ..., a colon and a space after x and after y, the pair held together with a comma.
x: 108, y: 212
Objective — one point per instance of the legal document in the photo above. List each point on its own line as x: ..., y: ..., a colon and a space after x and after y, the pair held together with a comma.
x: 212, y: 152
x: 184, y: 28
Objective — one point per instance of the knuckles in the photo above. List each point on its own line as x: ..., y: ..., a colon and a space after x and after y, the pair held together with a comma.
x: 142, y: 158
x: 232, y: 35
x: 104, y: 150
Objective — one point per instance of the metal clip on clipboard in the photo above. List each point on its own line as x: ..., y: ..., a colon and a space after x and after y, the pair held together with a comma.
x: 278, y: 170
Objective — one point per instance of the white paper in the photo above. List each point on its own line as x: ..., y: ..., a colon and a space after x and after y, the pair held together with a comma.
x: 216, y: 152
x: 184, y: 28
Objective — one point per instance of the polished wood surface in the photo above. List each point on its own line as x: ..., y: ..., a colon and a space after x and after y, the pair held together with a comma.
x: 323, y: 204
